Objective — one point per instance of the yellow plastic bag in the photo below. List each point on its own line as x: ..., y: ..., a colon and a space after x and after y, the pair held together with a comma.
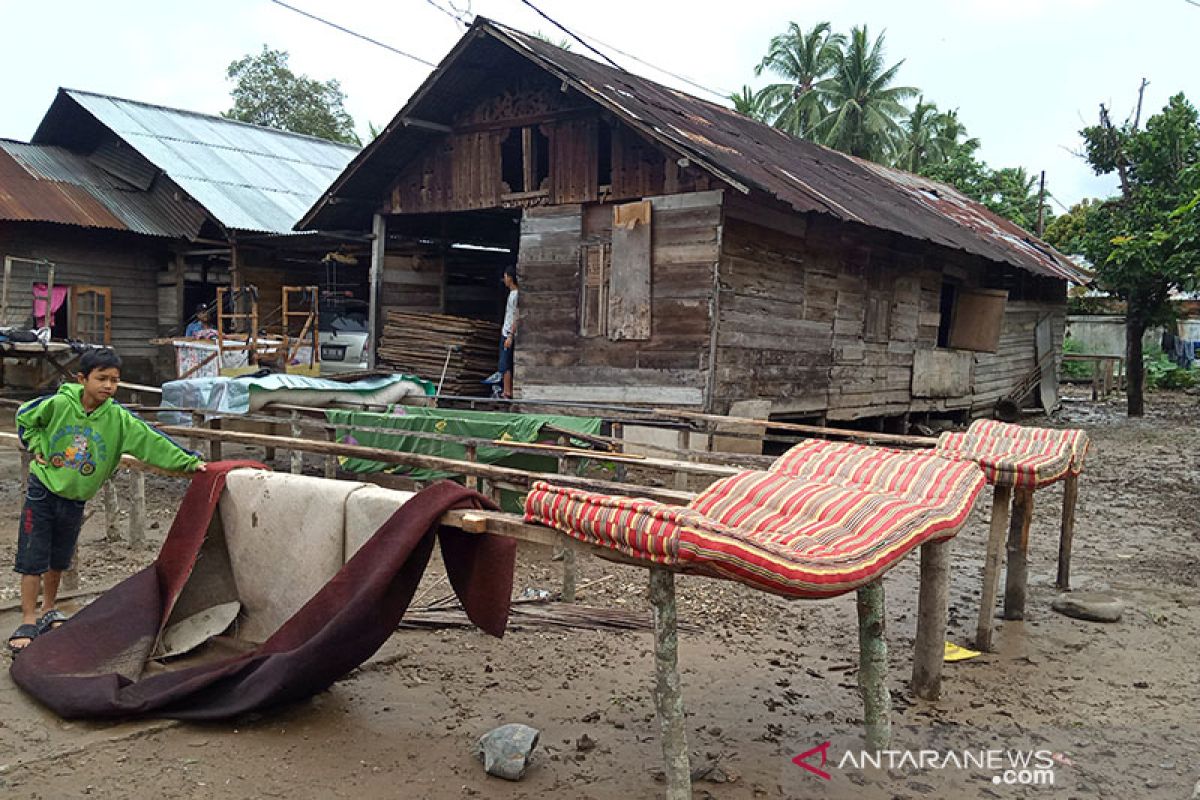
x: 956, y: 653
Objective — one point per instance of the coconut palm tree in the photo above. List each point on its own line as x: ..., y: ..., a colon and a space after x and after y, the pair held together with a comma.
x: 803, y: 61
x: 748, y: 102
x: 864, y: 108
x: 920, y: 143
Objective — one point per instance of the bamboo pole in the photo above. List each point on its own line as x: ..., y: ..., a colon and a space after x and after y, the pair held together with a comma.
x: 872, y: 666
x: 668, y: 696
x: 1070, y: 498
x: 516, y: 477
x: 932, y: 601
x: 818, y: 430
x: 991, y: 566
x: 570, y: 572
x: 1016, y: 575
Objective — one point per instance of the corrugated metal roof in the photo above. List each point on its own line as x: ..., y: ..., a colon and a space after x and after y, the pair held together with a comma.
x: 43, y: 183
x: 743, y: 152
x: 248, y: 177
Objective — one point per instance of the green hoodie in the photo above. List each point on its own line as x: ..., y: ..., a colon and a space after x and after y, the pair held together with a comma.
x: 81, y: 450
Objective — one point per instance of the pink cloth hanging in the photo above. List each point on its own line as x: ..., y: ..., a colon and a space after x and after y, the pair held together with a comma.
x: 39, y: 302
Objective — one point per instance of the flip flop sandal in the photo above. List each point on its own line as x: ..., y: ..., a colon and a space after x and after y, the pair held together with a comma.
x: 26, y: 631
x: 51, y: 620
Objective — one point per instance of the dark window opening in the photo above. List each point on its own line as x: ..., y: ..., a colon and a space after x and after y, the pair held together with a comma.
x: 946, y: 309
x: 604, y: 154
x: 512, y: 161
x: 539, y: 159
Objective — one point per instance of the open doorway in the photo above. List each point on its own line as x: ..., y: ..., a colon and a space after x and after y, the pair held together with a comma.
x: 442, y: 298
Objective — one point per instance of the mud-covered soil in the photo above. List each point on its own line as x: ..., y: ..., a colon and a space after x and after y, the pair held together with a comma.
x: 1117, y: 705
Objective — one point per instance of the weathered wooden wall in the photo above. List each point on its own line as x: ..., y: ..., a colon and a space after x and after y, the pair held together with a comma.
x: 825, y: 319
x: 553, y: 361
x: 412, y: 281
x: 126, y: 263
x: 462, y: 170
x: 776, y: 310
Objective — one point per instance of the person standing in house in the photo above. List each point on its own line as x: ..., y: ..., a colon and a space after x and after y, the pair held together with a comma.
x: 76, y: 438
x: 200, y: 327
x: 508, y: 332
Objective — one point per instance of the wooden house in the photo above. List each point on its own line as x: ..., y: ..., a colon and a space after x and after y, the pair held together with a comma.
x: 672, y: 252
x: 144, y: 211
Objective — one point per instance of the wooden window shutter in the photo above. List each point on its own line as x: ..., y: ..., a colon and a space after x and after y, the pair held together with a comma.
x: 91, y: 314
x: 977, y: 320
x: 629, y: 290
x: 593, y: 299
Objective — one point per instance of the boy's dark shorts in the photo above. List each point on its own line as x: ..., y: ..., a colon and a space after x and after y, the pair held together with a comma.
x: 506, y: 358
x: 48, y: 531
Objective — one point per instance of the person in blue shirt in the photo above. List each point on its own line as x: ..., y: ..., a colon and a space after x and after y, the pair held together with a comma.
x: 199, y: 327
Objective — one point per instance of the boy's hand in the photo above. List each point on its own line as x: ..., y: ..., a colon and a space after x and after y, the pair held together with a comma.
x: 201, y: 467
x: 39, y: 458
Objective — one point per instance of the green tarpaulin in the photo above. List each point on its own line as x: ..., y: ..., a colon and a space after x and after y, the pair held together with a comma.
x: 489, y: 425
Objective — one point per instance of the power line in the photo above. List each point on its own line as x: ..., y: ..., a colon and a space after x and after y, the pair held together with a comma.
x: 684, y: 78
x: 451, y: 14
x: 355, y: 34
x: 565, y: 30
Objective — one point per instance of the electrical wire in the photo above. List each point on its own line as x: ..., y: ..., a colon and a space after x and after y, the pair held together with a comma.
x: 570, y: 33
x: 451, y: 14
x: 675, y: 75
x: 355, y: 34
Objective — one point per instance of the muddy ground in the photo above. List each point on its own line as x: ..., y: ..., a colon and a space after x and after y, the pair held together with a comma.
x: 1118, y: 705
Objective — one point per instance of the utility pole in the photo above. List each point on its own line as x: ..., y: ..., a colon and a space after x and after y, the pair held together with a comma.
x: 1041, y: 218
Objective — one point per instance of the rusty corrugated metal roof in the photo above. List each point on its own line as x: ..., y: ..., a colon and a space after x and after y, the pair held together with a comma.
x: 248, y: 177
x: 743, y: 152
x: 42, y: 183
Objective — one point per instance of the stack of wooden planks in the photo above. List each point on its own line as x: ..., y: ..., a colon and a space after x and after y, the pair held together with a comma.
x: 420, y: 343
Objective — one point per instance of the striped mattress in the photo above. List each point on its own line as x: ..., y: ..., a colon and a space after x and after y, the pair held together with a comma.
x: 1018, y: 456
x: 827, y: 518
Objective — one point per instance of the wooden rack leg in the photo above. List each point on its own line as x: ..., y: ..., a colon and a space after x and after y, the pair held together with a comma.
x: 1070, y: 497
x: 872, y: 666
x: 331, y: 462
x: 112, y: 509
x: 991, y: 566
x: 933, y: 599
x: 215, y: 444
x: 570, y: 573
x: 1016, y: 573
x: 668, y: 697
x: 684, y: 444
x: 137, y: 510
x: 297, y: 455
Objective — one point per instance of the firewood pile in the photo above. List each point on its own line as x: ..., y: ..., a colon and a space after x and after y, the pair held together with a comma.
x: 419, y: 344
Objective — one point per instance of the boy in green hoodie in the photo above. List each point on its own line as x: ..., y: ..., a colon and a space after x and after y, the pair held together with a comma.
x: 76, y: 437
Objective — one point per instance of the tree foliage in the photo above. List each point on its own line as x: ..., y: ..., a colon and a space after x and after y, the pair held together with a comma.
x: 839, y: 91
x: 267, y: 92
x: 1145, y: 243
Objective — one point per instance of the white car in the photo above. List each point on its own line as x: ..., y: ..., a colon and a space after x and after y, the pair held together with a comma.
x: 344, y: 338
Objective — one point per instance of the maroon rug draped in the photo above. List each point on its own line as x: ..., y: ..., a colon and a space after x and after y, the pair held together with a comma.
x: 73, y: 670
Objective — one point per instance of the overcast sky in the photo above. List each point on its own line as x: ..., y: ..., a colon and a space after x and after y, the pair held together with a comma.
x: 1024, y: 74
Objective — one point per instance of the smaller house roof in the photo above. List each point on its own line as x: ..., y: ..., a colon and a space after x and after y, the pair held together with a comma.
x: 43, y: 183
x: 248, y: 177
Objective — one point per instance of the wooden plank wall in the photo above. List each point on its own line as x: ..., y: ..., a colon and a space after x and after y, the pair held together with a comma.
x: 126, y: 263
x: 777, y: 308
x: 412, y: 281
x: 794, y: 324
x: 554, y: 362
